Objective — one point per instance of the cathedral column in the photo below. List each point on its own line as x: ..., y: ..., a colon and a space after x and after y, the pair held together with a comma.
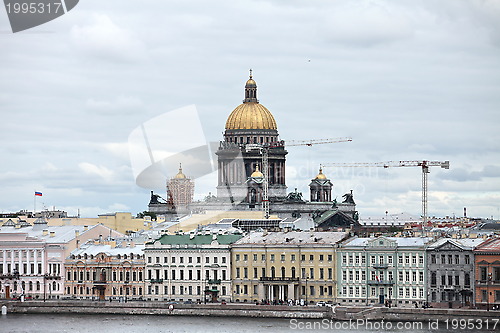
x: 28, y: 266
x: 20, y: 261
x: 4, y: 269
x: 35, y: 258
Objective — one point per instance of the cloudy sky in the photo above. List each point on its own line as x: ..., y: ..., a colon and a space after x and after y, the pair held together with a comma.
x: 407, y: 80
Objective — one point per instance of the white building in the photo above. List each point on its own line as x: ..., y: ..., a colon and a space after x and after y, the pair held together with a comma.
x: 189, y: 267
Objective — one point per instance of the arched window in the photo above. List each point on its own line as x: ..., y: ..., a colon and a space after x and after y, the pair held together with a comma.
x: 273, y: 272
x: 283, y: 271
x: 293, y: 272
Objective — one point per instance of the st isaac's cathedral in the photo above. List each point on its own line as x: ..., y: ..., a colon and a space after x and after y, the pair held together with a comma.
x: 250, y: 129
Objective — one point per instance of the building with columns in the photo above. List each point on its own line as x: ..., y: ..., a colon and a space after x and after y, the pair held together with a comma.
x: 382, y: 270
x: 281, y: 266
x: 192, y: 267
x: 450, y: 270
x: 321, y: 188
x: 250, y: 126
x: 32, y: 257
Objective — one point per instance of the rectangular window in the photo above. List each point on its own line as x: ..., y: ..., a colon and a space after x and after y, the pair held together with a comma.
x: 483, y: 273
x: 363, y: 276
x: 350, y: 259
x: 255, y: 272
x: 181, y: 260
x: 237, y: 258
x: 321, y: 273
x: 389, y: 260
x: 414, y: 259
x: 311, y: 273
x: 254, y: 257
x: 237, y: 272
x: 372, y: 258
x: 400, y: 259
x: 321, y: 257
x: 272, y: 257
x: 292, y: 257
x: 350, y: 276
x: 433, y: 258
x: 344, y: 259
x: 421, y: 276
x: 344, y: 275
x: 282, y: 257
x: 263, y: 257
x: 356, y: 260
x: 311, y: 257
x: 467, y: 259
x: 330, y: 257
x: 457, y: 259
x: 245, y: 257
x: 363, y: 260
x: 165, y: 260
x: 245, y: 272
x: 330, y: 273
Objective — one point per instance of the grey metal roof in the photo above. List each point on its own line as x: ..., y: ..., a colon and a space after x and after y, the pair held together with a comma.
x: 292, y: 237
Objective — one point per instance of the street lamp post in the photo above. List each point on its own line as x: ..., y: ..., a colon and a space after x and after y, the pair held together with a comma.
x: 307, y: 278
x: 488, y: 292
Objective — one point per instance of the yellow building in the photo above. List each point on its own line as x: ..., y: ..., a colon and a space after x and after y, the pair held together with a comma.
x: 122, y: 222
x: 282, y: 266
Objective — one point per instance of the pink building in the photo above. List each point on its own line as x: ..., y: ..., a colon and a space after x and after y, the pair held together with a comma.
x: 32, y: 257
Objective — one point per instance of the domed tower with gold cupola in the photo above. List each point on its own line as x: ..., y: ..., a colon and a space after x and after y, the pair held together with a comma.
x: 248, y: 128
x: 180, y: 191
x: 321, y: 188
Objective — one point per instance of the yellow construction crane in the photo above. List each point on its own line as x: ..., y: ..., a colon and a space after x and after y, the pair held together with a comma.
x: 391, y: 164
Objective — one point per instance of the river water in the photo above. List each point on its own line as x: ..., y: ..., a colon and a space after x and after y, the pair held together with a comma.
x: 49, y: 323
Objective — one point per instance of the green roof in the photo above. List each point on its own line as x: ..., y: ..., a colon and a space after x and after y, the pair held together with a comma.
x: 196, y: 240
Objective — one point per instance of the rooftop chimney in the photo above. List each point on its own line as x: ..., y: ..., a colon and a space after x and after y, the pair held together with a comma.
x: 85, y: 227
x: 45, y: 232
x: 52, y: 234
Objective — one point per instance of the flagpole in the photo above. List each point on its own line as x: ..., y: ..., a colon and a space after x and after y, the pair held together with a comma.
x: 34, y: 203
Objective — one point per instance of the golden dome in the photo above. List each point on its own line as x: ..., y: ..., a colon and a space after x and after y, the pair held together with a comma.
x: 180, y: 175
x: 257, y: 173
x: 320, y: 174
x: 251, y: 116
x: 250, y: 82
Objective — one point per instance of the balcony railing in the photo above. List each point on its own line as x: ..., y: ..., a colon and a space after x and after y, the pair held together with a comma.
x: 100, y: 282
x: 214, y: 281
x: 381, y: 282
x: 279, y: 279
x: 380, y: 266
x: 156, y: 280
